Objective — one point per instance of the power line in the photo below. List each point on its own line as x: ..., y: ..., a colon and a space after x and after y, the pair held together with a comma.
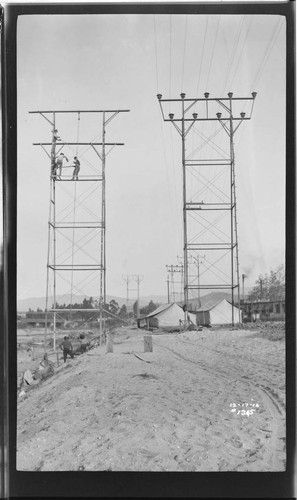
x: 265, y: 59
x: 213, y: 50
x: 156, y: 55
x: 170, y: 52
x: 233, y: 55
x: 202, y: 58
x: 268, y: 51
x: 184, y: 53
x: 242, y: 48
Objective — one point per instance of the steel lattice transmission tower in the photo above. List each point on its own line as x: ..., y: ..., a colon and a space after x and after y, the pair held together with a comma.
x: 207, y: 227
x: 77, y: 213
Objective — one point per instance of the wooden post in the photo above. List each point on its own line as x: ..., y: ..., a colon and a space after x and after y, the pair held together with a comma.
x: 109, y: 344
x: 45, y: 360
x: 148, y: 343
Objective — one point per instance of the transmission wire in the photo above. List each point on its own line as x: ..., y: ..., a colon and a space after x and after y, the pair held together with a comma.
x: 156, y: 54
x: 74, y: 213
x: 184, y: 54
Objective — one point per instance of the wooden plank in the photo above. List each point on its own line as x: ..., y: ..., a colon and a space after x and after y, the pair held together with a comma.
x: 109, y: 343
x: 148, y: 343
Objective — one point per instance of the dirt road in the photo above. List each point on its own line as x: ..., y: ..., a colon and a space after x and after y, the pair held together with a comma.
x: 201, y: 401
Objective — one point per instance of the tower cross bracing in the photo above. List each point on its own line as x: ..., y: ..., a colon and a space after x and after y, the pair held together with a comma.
x: 76, y: 256
x: 209, y: 190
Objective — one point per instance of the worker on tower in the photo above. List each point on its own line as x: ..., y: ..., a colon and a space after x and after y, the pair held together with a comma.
x: 56, y: 136
x: 59, y: 164
x: 76, y: 164
x: 53, y: 151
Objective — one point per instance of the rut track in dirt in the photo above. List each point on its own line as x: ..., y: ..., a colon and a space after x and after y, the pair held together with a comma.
x: 279, y: 405
x: 226, y: 353
x: 265, y: 391
x: 275, y: 407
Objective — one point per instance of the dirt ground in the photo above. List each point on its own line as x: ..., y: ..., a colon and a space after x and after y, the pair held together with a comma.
x: 201, y: 401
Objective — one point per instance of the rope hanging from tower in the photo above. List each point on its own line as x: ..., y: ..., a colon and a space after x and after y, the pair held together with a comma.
x: 74, y: 211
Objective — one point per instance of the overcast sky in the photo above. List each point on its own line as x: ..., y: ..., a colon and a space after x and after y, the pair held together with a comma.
x: 122, y: 62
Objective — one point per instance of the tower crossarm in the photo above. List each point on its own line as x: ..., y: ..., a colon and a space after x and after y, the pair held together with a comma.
x: 79, y: 143
x: 82, y: 111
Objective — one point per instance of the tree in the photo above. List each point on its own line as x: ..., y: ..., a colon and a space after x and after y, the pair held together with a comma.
x: 123, y: 311
x: 87, y: 303
x: 149, y: 308
x: 152, y: 306
x: 270, y: 286
x: 113, y: 307
x: 135, y: 308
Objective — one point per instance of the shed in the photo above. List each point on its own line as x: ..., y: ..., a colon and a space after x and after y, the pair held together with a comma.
x: 167, y: 316
x: 219, y: 313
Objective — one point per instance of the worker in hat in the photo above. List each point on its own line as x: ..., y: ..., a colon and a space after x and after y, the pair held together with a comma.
x: 76, y: 164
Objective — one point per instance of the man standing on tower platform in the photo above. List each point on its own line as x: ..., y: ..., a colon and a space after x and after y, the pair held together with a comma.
x: 59, y: 164
x: 76, y: 165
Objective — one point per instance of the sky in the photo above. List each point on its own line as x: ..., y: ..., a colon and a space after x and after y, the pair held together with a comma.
x: 122, y: 62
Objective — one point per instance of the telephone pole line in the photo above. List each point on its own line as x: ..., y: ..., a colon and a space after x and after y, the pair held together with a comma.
x: 134, y: 278
x: 171, y: 270
x: 198, y: 259
x: 198, y: 218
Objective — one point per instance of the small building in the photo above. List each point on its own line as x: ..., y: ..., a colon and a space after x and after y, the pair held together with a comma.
x: 264, y: 310
x: 217, y: 313
x: 167, y: 316
x: 39, y: 319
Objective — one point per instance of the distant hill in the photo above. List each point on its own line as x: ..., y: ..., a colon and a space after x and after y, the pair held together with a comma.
x: 210, y: 299
x: 34, y: 303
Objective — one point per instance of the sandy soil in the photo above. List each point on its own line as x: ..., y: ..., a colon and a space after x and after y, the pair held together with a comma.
x: 179, y: 410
